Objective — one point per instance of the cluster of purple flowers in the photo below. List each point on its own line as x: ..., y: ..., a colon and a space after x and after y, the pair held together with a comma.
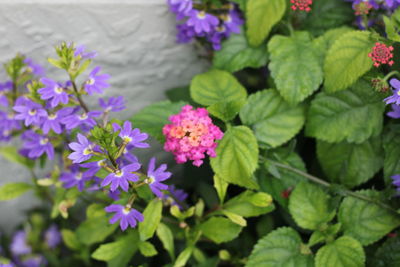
x: 363, y: 8
x: 22, y: 252
x: 213, y: 24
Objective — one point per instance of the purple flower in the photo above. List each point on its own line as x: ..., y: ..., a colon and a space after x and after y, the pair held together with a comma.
x: 74, y: 178
x: 74, y: 120
x: 113, y: 104
x: 80, y: 51
x: 96, y: 83
x: 185, y: 33
x: 202, y: 21
x: 176, y: 196
x: 34, y: 68
x: 156, y: 176
x: 395, y: 113
x: 181, y: 8
x: 127, y: 215
x: 216, y: 37
x: 82, y: 150
x: 131, y: 137
x: 53, y: 121
x: 233, y: 21
x: 52, y: 236
x: 19, y: 245
x: 4, y: 88
x: 36, y: 145
x: 93, y: 167
x: 7, y: 125
x: 392, y: 4
x: 6, y: 263
x: 396, y: 181
x: 34, y: 261
x: 395, y: 98
x: 30, y: 112
x: 53, y: 91
x: 120, y: 178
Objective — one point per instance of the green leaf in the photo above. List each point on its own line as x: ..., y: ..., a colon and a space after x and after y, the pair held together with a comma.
x: 237, y: 54
x: 388, y: 254
x: 13, y: 190
x: 281, y: 247
x: 347, y: 60
x: 184, y: 257
x: 353, y: 115
x: 152, y: 217
x: 324, y: 235
x: 391, y: 146
x: 152, y: 118
x: 95, y: 210
x: 327, y: 14
x: 239, y: 220
x: 70, y: 239
x: 343, y: 252
x: 273, y: 121
x: 350, y: 164
x: 365, y: 221
x: 11, y: 154
x: 131, y: 243
x: 237, y: 157
x: 167, y: 239
x: 295, y: 66
x: 250, y: 204
x: 147, y: 249
x: 221, y: 91
x: 310, y: 206
x: 127, y: 244
x: 95, y: 230
x: 391, y: 28
x: 261, y: 16
x: 220, y: 229
x: 56, y: 63
x: 220, y: 186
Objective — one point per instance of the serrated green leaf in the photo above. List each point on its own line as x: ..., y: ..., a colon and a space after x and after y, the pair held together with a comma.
x: 327, y: 14
x: 147, y: 249
x: 152, y: 118
x: 250, y: 204
x: 295, y: 66
x: 167, y: 239
x: 13, y: 190
x: 221, y: 91
x: 350, y: 164
x: 261, y: 16
x: 347, y: 60
x: 70, y: 239
x: 121, y: 250
x: 365, y: 221
x: 281, y: 247
x: 310, y: 207
x: 95, y: 230
x: 220, y: 229
x: 343, y: 252
x: 388, y: 254
x: 273, y: 120
x: 152, y: 217
x: 352, y: 115
x: 12, y: 155
x: 237, y: 157
x: 237, y: 54
x: 391, y: 146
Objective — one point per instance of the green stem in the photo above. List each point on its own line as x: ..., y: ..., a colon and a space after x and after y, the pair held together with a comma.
x: 345, y: 192
x: 390, y: 74
x: 78, y: 96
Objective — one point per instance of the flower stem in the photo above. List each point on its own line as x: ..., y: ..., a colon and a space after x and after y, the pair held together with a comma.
x: 78, y: 96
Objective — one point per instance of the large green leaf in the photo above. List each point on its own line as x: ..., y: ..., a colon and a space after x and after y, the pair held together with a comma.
x: 347, y: 60
x: 220, y: 229
x: 353, y: 115
x: 327, y: 14
x: 261, y: 16
x: 310, y: 206
x: 152, y: 217
x: 70, y: 239
x: 221, y: 91
x: 237, y: 54
x: 282, y: 247
x: 237, y: 157
x: 12, y: 155
x: 350, y: 164
x: 365, y: 221
x: 388, y: 254
x: 391, y: 146
x: 95, y: 230
x: 152, y: 118
x: 273, y: 120
x: 250, y: 204
x: 167, y: 239
x: 13, y: 190
x: 343, y: 252
x: 295, y: 66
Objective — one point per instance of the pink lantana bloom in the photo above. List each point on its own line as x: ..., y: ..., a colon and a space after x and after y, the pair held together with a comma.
x: 191, y: 135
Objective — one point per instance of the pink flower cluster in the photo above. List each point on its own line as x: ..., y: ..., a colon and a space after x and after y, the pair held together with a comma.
x: 191, y: 134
